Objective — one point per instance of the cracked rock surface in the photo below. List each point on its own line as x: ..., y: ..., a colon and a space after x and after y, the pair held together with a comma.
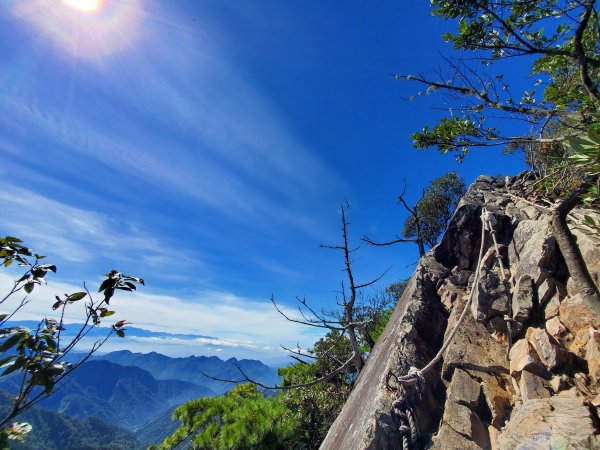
x: 542, y: 394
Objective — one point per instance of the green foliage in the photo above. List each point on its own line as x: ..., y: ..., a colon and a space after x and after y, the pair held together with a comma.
x: 586, y: 150
x: 310, y: 411
x: 397, y: 289
x: 328, y: 352
x: 508, y: 28
x: 373, y: 314
x: 297, y: 418
x: 39, y: 355
x: 394, y: 291
x: 381, y: 322
x: 450, y: 134
x: 560, y: 40
x: 563, y: 165
x: 585, y: 156
x: 435, y: 208
x: 241, y: 419
x: 16, y: 433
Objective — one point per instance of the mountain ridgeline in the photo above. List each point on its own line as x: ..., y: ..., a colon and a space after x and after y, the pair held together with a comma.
x: 191, y: 368
x: 124, y: 400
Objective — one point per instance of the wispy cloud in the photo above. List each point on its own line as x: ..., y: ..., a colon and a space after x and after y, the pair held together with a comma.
x: 197, y: 342
x: 83, y: 236
x: 239, y: 324
x: 166, y: 129
x: 189, y: 122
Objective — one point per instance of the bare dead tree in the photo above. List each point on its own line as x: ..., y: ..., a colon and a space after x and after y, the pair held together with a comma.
x: 414, y: 215
x: 348, y: 322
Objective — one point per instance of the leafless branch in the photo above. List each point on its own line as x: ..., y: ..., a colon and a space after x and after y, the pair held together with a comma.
x: 246, y: 379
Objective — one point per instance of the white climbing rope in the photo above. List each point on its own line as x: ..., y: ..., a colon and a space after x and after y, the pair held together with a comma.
x: 506, y: 277
x: 402, y: 412
x: 488, y: 221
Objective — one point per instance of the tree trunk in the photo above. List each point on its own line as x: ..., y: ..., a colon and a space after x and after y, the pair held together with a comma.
x: 570, y: 251
x: 418, y: 230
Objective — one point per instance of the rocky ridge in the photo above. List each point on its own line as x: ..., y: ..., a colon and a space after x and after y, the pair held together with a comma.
x: 542, y: 393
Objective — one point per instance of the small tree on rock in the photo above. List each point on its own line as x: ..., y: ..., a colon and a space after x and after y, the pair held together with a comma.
x: 429, y: 217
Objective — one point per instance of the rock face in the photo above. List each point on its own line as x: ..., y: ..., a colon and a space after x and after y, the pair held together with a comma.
x: 542, y: 393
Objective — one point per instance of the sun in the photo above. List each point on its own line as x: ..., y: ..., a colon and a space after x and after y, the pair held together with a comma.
x: 86, y: 29
x: 84, y: 5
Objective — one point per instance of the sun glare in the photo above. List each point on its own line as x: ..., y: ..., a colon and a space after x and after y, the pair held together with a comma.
x: 84, y: 5
x: 87, y: 29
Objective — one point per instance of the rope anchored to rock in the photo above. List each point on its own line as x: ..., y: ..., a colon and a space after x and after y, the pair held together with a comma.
x: 415, y: 377
x: 490, y: 224
x: 405, y: 417
x: 414, y: 373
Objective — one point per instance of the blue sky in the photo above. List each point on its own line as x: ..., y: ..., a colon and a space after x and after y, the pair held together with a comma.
x: 206, y: 146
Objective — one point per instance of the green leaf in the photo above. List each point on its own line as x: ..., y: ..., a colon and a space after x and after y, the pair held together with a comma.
x: 10, y: 342
x: 106, y: 313
x: 108, y: 293
x: 7, y: 262
x: 18, y: 364
x: 106, y: 284
x: 120, y: 333
x: 3, y: 361
x: 57, y: 304
x: 594, y: 132
x: 29, y: 287
x: 76, y: 296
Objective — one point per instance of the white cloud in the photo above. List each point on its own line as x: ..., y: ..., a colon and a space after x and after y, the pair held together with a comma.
x: 176, y: 119
x: 238, y: 323
x: 188, y: 121
x: 201, y: 342
x: 80, y: 235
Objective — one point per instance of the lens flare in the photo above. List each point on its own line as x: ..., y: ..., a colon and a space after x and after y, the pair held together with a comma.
x: 84, y: 5
x: 85, y: 29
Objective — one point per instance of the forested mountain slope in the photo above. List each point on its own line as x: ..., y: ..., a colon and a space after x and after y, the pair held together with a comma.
x: 190, y: 368
x: 55, y: 431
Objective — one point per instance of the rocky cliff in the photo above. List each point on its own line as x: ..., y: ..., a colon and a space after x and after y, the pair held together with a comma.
x: 521, y: 366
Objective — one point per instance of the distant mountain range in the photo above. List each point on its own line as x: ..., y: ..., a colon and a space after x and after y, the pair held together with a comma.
x: 55, y: 431
x: 126, y: 393
x: 122, y: 395
x: 97, y: 332
x: 172, y: 344
x: 190, y: 368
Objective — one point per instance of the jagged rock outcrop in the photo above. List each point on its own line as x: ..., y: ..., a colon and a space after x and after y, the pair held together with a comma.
x: 542, y: 393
